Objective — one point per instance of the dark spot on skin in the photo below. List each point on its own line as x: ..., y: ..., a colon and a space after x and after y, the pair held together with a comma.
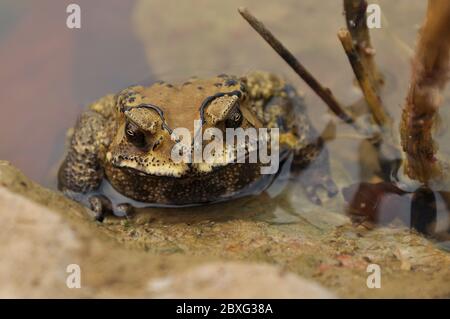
x: 230, y: 82
x: 169, y: 85
x: 200, y: 87
x: 131, y: 99
x: 222, y: 75
x: 187, y: 83
x: 218, y: 85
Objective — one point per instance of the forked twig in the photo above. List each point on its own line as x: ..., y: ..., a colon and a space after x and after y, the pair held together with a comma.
x: 324, y: 93
x: 380, y: 115
x: 355, y: 16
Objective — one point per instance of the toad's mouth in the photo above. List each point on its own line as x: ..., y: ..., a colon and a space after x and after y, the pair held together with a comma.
x: 191, y: 170
x: 151, y: 169
x: 186, y: 170
x: 168, y: 168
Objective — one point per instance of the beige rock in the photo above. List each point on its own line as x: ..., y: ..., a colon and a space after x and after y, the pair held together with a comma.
x: 236, y: 280
x: 36, y: 247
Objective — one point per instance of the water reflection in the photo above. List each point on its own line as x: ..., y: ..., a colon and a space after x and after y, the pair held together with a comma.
x: 382, y: 203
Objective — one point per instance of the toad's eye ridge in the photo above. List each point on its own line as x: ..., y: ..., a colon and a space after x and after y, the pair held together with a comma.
x: 234, y: 120
x: 135, y: 135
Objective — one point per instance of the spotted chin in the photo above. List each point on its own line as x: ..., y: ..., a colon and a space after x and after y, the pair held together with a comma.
x: 151, y: 168
x: 228, y: 182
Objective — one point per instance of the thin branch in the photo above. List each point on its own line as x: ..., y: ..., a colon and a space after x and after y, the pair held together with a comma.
x: 380, y: 115
x: 429, y: 75
x: 355, y: 16
x: 360, y: 53
x: 324, y: 93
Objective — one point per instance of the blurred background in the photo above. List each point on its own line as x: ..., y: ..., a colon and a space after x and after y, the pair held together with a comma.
x: 49, y: 73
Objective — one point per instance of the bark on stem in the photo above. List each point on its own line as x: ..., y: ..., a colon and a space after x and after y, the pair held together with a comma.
x: 355, y: 16
x: 429, y: 75
x: 380, y: 116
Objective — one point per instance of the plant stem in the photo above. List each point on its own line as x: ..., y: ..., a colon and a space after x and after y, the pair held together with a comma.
x: 429, y: 76
x: 355, y: 16
x: 373, y: 100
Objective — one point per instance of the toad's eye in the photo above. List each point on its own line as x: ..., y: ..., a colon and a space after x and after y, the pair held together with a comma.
x: 234, y: 120
x: 135, y: 135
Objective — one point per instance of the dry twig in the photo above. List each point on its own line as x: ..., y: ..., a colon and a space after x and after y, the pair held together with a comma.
x: 324, y: 93
x: 355, y: 16
x: 380, y: 116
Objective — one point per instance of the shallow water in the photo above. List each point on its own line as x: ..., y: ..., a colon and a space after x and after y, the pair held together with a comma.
x: 49, y: 74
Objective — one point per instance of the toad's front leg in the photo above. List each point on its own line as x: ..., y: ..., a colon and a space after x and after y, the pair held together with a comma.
x: 311, y: 159
x: 81, y: 172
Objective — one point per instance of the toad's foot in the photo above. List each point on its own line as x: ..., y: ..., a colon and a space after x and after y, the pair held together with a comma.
x: 314, y: 180
x: 314, y: 175
x: 102, y: 207
x: 311, y: 167
x: 124, y: 210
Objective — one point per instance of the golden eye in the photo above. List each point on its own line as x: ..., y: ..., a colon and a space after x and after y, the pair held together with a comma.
x: 135, y: 135
x: 234, y: 120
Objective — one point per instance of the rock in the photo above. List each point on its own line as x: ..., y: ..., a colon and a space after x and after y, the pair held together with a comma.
x: 37, y: 245
x: 44, y: 232
x: 236, y: 280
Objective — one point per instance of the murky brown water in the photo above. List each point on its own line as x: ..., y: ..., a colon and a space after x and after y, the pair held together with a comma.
x: 49, y: 73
